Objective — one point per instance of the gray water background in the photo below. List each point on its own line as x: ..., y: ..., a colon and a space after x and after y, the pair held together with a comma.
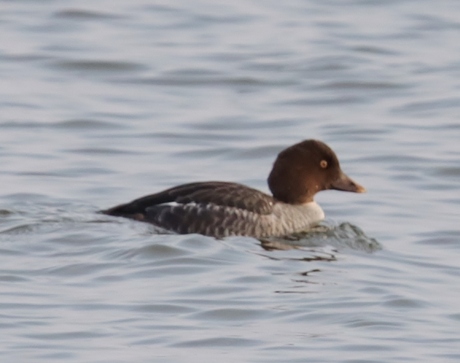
x: 105, y: 101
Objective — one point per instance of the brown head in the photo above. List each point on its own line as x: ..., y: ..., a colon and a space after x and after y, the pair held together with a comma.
x: 304, y: 169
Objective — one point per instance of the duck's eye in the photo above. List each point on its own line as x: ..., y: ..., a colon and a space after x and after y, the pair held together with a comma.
x: 323, y: 164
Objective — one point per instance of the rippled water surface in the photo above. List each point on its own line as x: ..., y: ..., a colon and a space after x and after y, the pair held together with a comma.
x: 102, y: 102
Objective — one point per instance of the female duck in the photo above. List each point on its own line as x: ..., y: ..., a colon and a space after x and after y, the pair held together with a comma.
x: 222, y: 209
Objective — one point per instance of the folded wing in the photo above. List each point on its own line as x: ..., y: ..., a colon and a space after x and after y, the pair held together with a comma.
x: 210, y: 208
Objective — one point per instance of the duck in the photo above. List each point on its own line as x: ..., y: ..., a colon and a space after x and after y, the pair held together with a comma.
x: 223, y: 209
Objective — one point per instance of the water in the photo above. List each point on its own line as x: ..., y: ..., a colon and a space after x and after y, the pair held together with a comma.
x: 102, y: 102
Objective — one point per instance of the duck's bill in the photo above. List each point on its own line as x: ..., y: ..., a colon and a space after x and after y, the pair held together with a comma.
x: 346, y: 184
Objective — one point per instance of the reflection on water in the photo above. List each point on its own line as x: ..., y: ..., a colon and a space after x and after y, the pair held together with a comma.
x: 342, y: 236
